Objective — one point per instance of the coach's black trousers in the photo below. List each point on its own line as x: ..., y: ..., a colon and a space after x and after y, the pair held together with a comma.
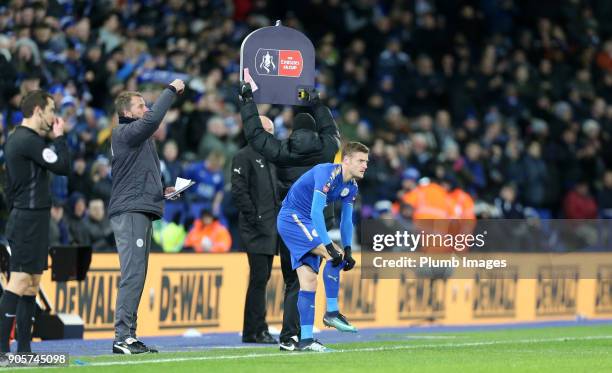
x: 255, y: 304
x: 291, y: 316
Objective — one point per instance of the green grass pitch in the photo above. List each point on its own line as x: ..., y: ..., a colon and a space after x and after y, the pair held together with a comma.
x: 564, y: 349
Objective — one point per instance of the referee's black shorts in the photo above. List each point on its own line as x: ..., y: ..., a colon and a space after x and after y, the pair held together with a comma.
x: 27, y: 232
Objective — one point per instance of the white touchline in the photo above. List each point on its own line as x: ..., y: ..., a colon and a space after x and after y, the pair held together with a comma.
x: 366, y: 349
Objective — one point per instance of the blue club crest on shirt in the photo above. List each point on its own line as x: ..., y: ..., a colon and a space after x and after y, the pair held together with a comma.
x: 344, y: 192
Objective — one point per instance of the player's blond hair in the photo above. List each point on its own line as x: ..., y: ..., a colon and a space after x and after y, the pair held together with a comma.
x: 354, y: 147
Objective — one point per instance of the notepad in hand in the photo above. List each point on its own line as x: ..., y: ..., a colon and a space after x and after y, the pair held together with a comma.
x: 180, y: 185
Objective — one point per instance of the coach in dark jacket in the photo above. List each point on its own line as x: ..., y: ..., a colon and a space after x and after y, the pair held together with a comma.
x: 312, y: 141
x: 137, y: 199
x: 254, y: 191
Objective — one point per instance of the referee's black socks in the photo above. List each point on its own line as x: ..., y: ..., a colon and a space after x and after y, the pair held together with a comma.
x: 8, y: 309
x: 25, y: 318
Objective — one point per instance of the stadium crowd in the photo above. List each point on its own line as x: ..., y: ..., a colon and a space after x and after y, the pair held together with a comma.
x: 504, y: 106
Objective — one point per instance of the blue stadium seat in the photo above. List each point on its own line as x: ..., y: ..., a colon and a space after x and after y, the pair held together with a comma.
x: 173, y: 207
x: 544, y: 214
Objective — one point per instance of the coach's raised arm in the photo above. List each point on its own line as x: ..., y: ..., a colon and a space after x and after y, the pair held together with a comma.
x: 134, y: 131
x: 136, y: 200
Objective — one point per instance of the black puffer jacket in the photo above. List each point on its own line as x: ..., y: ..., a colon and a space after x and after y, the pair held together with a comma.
x: 254, y: 191
x: 300, y: 152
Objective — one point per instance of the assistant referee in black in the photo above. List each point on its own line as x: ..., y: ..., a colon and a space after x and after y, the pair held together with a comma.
x: 28, y: 158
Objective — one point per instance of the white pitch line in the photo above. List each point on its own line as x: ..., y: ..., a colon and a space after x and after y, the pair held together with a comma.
x: 366, y: 349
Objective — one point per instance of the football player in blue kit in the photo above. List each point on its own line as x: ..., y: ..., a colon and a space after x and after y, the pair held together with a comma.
x: 301, y: 225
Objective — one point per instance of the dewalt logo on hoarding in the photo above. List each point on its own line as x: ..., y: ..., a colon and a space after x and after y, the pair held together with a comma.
x: 556, y: 291
x: 421, y: 298
x: 275, y: 296
x: 603, y: 296
x: 190, y: 297
x: 93, y: 299
x: 358, y: 296
x: 495, y: 296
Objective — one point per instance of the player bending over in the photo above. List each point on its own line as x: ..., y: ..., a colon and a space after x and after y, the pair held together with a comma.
x: 301, y: 225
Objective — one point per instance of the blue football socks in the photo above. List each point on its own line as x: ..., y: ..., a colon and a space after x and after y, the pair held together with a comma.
x: 306, y: 307
x: 331, y: 279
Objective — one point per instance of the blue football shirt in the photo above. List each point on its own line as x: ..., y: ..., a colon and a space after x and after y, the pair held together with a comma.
x: 325, y: 178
